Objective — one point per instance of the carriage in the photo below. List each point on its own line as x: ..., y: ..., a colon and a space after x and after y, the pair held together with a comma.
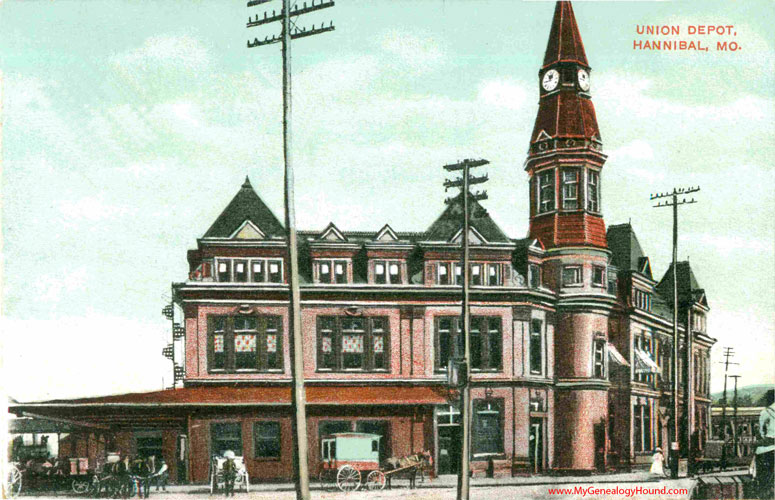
x: 44, y: 475
x: 217, y: 479
x: 350, y: 460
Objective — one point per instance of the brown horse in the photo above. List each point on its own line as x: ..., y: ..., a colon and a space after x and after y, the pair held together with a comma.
x: 407, y: 467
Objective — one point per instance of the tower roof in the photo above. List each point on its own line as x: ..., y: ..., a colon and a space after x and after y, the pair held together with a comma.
x: 450, y: 223
x: 689, y: 290
x: 565, y: 43
x: 245, y: 206
x: 625, y: 247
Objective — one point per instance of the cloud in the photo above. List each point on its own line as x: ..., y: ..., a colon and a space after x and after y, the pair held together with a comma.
x: 51, y: 288
x: 419, y: 50
x: 503, y: 93
x: 90, y: 209
x: 182, y: 51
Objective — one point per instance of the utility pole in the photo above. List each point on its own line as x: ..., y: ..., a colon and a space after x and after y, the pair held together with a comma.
x: 464, y: 182
x: 729, y: 352
x: 298, y: 397
x: 734, y: 417
x: 671, y: 200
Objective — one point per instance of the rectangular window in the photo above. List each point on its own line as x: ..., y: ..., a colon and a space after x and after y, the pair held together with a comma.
x: 275, y: 271
x: 258, y: 271
x: 442, y: 274
x: 599, y: 358
x: 570, y: 189
x: 245, y: 343
x: 534, y: 275
x: 593, y: 191
x: 571, y: 275
x: 240, y: 271
x: 225, y: 436
x: 395, y: 273
x: 340, y: 271
x: 324, y: 271
x: 476, y: 274
x: 486, y: 341
x: 266, y: 440
x: 546, y: 191
x: 224, y: 270
x: 353, y: 343
x: 637, y: 430
x: 598, y: 276
x: 494, y: 274
x: 488, y: 427
x: 536, y: 346
x: 459, y: 274
x: 218, y: 348
x: 611, y: 286
x: 149, y: 445
x: 380, y: 272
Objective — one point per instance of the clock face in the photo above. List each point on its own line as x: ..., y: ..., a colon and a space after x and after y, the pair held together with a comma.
x: 550, y: 80
x: 583, y: 79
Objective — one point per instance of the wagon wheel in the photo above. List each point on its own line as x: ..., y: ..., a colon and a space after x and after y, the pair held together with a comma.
x: 80, y: 486
x: 13, y: 482
x: 376, y: 480
x: 348, y: 478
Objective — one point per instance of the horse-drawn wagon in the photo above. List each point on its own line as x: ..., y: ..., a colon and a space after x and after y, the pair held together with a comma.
x: 349, y: 460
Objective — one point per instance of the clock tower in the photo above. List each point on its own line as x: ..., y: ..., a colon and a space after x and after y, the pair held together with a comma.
x: 565, y: 157
x: 564, y: 163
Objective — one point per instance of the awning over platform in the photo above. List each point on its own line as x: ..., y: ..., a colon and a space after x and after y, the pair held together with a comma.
x: 257, y: 396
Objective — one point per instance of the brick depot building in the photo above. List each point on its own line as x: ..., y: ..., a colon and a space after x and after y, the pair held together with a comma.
x: 571, y: 335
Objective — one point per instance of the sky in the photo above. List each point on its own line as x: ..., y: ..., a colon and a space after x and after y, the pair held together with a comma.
x: 128, y: 126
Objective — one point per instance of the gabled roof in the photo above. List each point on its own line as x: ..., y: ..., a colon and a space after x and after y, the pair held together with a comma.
x: 689, y: 290
x: 450, y: 222
x: 565, y: 43
x: 627, y: 253
x: 332, y: 233
x: 245, y: 206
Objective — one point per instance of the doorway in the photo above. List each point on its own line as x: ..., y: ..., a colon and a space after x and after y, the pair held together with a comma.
x: 536, y: 445
x: 449, y: 449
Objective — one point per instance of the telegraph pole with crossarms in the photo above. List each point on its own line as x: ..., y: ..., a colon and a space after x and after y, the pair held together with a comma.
x: 671, y: 200
x: 290, y: 31
x: 465, y: 392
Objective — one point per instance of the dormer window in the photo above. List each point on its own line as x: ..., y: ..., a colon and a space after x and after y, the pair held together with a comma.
x: 324, y: 275
x: 387, y: 272
x: 332, y: 271
x: 224, y: 270
x: 241, y: 271
x: 593, y: 191
x: 476, y: 274
x: 570, y: 189
x: 258, y: 271
x: 275, y: 271
x: 546, y: 191
x: 494, y: 277
x: 443, y: 276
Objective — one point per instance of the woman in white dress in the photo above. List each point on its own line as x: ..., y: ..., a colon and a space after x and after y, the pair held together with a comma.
x: 657, y: 463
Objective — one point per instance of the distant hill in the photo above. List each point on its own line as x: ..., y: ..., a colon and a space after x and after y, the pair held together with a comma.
x: 749, y: 395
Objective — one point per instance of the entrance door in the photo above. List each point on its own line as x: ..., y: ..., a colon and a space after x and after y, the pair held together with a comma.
x: 449, y: 449
x: 536, y: 445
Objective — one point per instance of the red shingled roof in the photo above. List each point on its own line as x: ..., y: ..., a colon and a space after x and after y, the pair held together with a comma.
x: 250, y: 396
x: 565, y: 43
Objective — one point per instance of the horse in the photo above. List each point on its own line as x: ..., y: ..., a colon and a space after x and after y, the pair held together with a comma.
x: 408, y: 467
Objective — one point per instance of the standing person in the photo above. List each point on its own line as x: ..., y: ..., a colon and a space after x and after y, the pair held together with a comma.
x: 658, y: 463
x: 162, y: 475
x: 766, y: 449
x: 229, y: 473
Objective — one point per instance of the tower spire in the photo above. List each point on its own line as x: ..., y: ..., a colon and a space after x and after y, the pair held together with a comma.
x: 565, y: 43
